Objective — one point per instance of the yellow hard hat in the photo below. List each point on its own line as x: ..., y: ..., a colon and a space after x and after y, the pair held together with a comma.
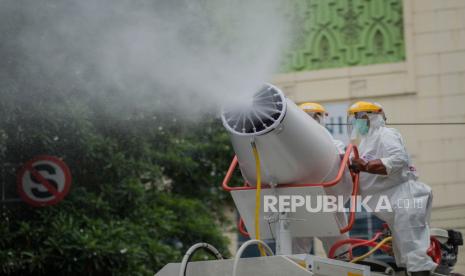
x: 312, y: 107
x: 364, y: 107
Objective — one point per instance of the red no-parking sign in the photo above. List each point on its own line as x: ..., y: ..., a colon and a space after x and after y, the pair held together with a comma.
x: 44, y: 180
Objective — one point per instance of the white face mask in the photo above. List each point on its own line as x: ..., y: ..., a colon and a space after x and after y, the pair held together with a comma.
x: 359, y: 126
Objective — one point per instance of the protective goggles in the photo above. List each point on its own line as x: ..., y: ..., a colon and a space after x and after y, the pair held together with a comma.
x: 352, y: 121
x: 361, y: 115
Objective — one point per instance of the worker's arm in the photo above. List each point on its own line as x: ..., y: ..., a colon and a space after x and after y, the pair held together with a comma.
x: 374, y: 166
x: 394, y: 150
x: 396, y: 156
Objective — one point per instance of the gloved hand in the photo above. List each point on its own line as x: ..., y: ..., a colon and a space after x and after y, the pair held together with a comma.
x: 374, y: 166
x: 358, y: 165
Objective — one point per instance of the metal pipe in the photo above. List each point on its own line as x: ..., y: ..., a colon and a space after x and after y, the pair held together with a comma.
x: 243, y: 247
x: 210, y: 248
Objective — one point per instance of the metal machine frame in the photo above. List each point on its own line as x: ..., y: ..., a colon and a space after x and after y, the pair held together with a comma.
x: 351, y: 149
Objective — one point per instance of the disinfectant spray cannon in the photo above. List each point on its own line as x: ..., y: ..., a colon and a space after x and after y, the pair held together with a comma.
x: 293, y: 147
x: 283, y: 152
x: 279, y: 147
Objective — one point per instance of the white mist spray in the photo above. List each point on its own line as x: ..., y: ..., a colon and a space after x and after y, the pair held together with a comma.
x: 200, y: 53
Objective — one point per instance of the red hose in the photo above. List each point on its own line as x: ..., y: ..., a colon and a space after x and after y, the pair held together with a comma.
x: 377, y: 235
x: 434, y: 251
x: 353, y: 205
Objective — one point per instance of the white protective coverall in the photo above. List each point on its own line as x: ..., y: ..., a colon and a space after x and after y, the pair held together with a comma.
x: 410, y: 199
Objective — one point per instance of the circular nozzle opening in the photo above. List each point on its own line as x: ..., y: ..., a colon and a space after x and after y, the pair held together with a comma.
x: 257, y: 115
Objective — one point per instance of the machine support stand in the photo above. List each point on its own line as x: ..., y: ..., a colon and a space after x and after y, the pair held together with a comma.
x: 283, y: 235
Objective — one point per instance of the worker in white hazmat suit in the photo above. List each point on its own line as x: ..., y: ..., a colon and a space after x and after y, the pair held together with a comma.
x: 386, y: 171
x: 344, y: 188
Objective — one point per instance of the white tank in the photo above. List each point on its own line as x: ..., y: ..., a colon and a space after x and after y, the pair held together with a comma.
x: 293, y: 147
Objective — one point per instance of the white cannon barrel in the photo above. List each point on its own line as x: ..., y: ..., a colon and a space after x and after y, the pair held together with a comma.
x: 293, y: 147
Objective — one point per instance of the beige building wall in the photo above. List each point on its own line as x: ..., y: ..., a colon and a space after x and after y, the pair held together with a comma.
x: 428, y: 87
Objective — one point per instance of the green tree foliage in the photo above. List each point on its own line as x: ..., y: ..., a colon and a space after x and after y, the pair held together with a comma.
x: 146, y: 175
x: 145, y: 188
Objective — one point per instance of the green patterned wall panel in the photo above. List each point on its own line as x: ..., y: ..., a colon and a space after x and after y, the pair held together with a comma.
x: 340, y: 33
